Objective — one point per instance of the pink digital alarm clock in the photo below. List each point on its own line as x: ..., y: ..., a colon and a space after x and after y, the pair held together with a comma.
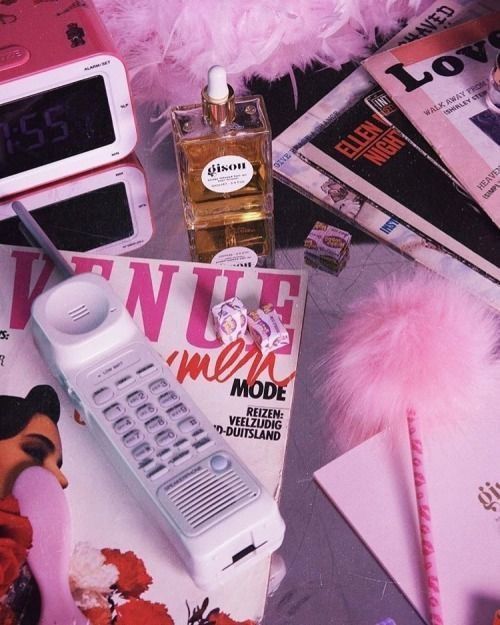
x: 65, y: 104
x: 105, y: 210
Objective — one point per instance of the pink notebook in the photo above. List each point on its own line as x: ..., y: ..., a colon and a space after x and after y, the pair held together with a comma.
x: 372, y: 487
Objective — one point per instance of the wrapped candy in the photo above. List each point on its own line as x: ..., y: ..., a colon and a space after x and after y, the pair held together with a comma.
x: 327, y: 247
x: 266, y: 329
x: 230, y: 320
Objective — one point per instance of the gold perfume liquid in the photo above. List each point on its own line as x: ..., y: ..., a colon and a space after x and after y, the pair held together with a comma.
x: 223, y: 155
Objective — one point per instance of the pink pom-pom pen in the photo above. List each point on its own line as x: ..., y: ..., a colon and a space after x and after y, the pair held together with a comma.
x: 415, y: 354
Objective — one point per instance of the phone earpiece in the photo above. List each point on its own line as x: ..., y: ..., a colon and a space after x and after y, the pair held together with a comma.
x: 72, y: 310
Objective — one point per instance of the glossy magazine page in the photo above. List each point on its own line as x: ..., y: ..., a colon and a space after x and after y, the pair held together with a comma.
x: 372, y: 167
x: 384, y: 162
x: 122, y: 566
x: 440, y: 83
x: 462, y: 467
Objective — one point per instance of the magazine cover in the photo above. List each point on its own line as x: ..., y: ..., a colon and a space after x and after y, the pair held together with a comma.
x: 440, y: 83
x: 380, y: 156
x: 464, y: 494
x: 385, y: 162
x: 122, y: 569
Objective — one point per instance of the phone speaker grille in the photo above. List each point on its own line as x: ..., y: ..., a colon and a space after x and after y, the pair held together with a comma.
x: 202, y: 497
x: 79, y: 312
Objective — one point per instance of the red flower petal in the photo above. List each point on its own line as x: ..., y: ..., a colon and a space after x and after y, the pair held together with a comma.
x: 12, y: 556
x: 12, y: 524
x: 98, y: 616
x: 133, y: 579
x: 10, y: 505
x: 224, y: 619
x: 7, y: 616
x: 138, y: 611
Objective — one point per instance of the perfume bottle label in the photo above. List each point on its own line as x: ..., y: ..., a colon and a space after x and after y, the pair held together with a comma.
x: 227, y: 173
x: 235, y: 257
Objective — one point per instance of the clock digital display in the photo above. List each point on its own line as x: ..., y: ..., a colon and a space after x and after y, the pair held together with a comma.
x: 54, y: 125
x: 80, y: 223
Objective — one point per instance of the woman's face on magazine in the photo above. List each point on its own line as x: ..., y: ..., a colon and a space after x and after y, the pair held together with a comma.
x: 37, y: 444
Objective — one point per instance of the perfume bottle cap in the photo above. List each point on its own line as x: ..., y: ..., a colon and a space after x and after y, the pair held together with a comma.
x: 217, y: 98
x: 217, y: 89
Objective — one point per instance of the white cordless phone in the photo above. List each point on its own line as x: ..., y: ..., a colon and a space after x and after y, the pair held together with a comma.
x: 183, y: 473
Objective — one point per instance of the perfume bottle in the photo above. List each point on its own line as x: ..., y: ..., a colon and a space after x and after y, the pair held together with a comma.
x: 493, y: 94
x: 223, y: 151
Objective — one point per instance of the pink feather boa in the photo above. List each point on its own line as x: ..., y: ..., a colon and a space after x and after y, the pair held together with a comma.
x: 169, y: 45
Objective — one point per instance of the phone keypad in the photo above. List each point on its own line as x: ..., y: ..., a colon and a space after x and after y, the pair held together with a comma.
x: 166, y: 437
x: 155, y: 425
x: 123, y: 425
x: 181, y: 458
x: 125, y: 382
x: 177, y: 411
x: 158, y: 386
x: 147, y: 370
x: 203, y: 443
x: 133, y: 437
x: 114, y: 411
x: 142, y: 452
x: 166, y: 399
x: 188, y: 425
x: 136, y: 398
x: 103, y: 395
x: 145, y: 411
x: 151, y: 421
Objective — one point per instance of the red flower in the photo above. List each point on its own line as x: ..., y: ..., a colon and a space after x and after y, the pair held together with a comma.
x: 133, y: 579
x: 220, y: 618
x: 98, y: 616
x: 7, y: 616
x: 12, y: 557
x: 12, y: 524
x: 15, y: 539
x: 138, y: 611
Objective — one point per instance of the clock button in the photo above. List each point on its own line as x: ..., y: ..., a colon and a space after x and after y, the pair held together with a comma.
x: 13, y: 56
